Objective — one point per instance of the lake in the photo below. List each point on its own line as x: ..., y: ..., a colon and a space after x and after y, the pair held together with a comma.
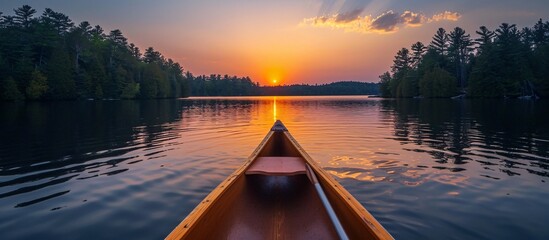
x: 426, y: 169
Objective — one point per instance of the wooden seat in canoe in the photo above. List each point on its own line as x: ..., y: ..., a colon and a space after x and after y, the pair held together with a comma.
x: 278, y: 166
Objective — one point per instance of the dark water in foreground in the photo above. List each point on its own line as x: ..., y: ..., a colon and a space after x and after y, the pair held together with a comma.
x: 426, y: 169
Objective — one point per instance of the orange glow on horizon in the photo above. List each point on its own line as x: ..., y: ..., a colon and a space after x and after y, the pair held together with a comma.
x: 255, y: 40
x: 303, y: 56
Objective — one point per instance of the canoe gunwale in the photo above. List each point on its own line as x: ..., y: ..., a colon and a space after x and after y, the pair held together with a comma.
x: 199, y: 211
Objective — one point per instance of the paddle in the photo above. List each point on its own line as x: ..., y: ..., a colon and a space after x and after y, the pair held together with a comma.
x: 326, y: 203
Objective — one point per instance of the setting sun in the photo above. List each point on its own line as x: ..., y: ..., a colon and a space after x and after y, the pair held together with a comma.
x: 274, y: 81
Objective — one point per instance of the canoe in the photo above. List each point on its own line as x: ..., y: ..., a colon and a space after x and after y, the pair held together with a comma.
x: 280, y: 192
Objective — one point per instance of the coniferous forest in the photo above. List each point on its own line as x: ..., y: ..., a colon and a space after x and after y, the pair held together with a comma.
x: 507, y: 62
x: 49, y: 57
x: 336, y: 88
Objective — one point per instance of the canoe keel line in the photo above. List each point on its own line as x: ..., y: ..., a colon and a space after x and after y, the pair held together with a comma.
x: 279, y: 193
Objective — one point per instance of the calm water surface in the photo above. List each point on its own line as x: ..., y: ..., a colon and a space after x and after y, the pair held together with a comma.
x: 426, y: 169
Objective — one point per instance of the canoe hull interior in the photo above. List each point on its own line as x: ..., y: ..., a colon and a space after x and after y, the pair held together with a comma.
x: 267, y: 207
x: 277, y: 207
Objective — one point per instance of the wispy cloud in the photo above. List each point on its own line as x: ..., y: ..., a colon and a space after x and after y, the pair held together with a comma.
x: 387, y: 22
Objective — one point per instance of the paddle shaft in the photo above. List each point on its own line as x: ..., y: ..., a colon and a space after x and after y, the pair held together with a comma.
x: 327, y: 205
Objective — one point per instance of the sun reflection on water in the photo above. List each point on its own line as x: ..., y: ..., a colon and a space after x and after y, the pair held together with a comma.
x: 274, y: 109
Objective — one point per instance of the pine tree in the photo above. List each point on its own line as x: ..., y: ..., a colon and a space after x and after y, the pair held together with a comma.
x: 459, y: 49
x: 23, y: 15
x: 485, y: 39
x: 384, y: 81
x: 440, y: 41
x: 418, y: 49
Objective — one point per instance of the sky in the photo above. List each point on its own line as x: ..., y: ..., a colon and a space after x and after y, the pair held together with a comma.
x: 307, y: 41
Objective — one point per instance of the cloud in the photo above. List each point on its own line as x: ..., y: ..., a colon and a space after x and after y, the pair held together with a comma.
x: 413, y: 19
x: 387, y: 22
x: 451, y: 16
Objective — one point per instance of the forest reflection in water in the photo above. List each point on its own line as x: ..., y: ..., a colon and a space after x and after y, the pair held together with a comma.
x: 508, y: 136
x: 425, y: 168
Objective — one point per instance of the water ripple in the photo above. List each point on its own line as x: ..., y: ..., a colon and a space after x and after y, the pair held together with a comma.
x: 426, y: 169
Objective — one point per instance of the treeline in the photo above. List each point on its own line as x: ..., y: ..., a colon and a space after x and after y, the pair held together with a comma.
x: 336, y: 88
x: 508, y: 62
x: 215, y: 85
x: 49, y: 57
